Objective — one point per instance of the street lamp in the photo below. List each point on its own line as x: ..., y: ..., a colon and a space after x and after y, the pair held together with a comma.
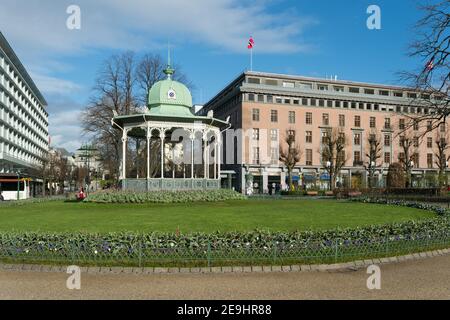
x: 18, y: 184
x: 87, y: 154
x: 329, y: 173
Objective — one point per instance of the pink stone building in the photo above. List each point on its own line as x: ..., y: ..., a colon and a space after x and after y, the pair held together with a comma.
x: 265, y: 107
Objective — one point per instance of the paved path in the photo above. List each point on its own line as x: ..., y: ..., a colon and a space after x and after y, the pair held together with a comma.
x: 421, y: 279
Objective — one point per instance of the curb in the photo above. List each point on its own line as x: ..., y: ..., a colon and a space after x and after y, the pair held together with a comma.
x: 336, y: 267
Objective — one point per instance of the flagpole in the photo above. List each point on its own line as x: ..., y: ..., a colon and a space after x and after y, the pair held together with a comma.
x: 251, y: 59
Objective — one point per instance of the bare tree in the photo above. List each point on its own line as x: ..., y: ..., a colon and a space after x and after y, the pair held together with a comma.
x: 149, y: 70
x: 373, y: 153
x: 442, y: 158
x: 432, y: 77
x: 121, y: 86
x: 406, y: 160
x: 291, y: 155
x: 332, y: 152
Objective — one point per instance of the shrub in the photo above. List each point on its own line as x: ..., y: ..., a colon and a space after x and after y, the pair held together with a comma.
x: 411, y: 204
x: 113, y: 196
x: 125, y: 243
x: 396, y: 176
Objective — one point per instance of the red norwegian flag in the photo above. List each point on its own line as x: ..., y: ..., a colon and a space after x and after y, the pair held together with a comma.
x: 250, y: 44
x: 430, y: 65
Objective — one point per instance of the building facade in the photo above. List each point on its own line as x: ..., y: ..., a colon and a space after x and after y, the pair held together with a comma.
x: 267, y: 107
x: 23, y: 124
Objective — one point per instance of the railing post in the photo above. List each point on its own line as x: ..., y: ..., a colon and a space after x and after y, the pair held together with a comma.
x: 140, y: 252
x: 208, y: 255
x: 387, y: 245
x: 336, y: 248
x: 274, y: 252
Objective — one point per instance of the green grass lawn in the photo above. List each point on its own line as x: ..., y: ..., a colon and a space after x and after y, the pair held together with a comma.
x: 275, y: 215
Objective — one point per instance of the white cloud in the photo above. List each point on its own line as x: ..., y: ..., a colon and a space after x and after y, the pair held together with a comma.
x: 65, y: 130
x: 53, y: 85
x: 142, y: 24
x: 38, y: 33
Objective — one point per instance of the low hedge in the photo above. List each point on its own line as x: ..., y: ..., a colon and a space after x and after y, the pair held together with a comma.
x: 111, y: 196
x: 411, y: 204
x: 128, y: 242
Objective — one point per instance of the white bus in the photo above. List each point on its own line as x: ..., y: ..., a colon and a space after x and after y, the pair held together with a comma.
x: 8, y: 189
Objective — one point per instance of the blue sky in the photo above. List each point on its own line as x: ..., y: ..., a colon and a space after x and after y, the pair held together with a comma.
x: 308, y: 37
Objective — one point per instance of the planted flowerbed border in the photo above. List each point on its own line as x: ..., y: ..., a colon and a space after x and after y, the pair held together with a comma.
x: 181, y: 196
x: 227, y: 248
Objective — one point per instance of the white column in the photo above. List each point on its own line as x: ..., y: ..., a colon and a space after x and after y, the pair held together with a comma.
x: 204, y: 155
x: 124, y: 154
x: 161, y: 137
x: 215, y: 158
x: 192, y: 155
x: 219, y: 153
x: 265, y: 180
x: 149, y: 137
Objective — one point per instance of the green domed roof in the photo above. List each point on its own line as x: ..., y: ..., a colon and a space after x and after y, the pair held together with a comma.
x: 170, y: 97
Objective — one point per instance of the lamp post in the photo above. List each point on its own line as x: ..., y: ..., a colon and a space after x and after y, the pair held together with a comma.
x: 329, y: 174
x: 372, y: 173
x: 18, y: 184
x: 87, y: 154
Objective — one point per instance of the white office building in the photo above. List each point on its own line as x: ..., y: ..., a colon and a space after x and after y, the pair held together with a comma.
x: 23, y: 127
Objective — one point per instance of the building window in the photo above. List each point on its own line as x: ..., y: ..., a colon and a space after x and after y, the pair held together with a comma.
x: 255, y: 114
x: 308, y: 136
x: 357, y: 121
x: 357, y: 157
x: 274, y: 155
x: 372, y: 122
x: 313, y: 102
x: 255, y: 155
x: 325, y: 119
x: 387, y: 140
x: 429, y: 142
x: 291, y: 116
x: 255, y: 134
x: 369, y: 91
x: 330, y: 103
x: 401, y: 124
x: 309, y: 157
x: 260, y: 98
x: 274, y: 115
x: 269, y: 99
x: 337, y: 104
x: 291, y: 134
x: 353, y: 90
x: 251, y: 97
x: 304, y: 101
x: 387, y: 157
x: 416, y: 125
x: 442, y: 127
x: 274, y: 134
x: 387, y: 123
x: 415, y: 159
x: 342, y: 120
x: 401, y: 157
x: 416, y: 142
x: 401, y: 141
x: 357, y: 139
x: 325, y: 136
x: 429, y: 125
x: 430, y: 160
x: 322, y: 87
x: 308, y: 119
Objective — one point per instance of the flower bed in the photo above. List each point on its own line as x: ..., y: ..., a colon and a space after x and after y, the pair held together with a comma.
x: 108, y: 196
x: 412, y: 204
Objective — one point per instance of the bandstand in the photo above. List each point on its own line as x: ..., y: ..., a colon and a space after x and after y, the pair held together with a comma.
x: 182, y: 150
